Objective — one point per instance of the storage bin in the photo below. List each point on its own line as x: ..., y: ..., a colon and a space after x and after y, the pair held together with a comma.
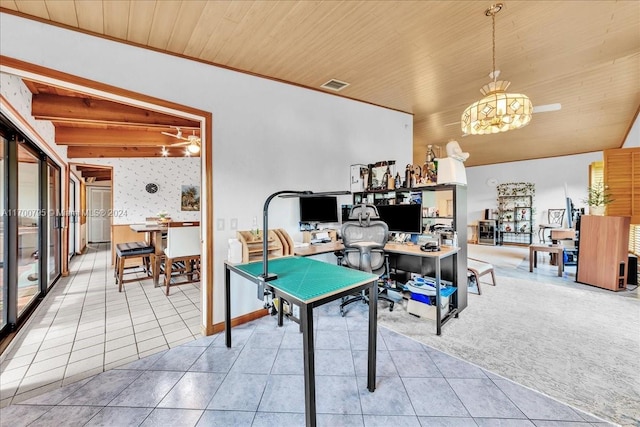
x: 426, y: 311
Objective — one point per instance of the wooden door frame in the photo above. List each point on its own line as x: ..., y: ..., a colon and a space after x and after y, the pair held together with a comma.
x: 38, y: 73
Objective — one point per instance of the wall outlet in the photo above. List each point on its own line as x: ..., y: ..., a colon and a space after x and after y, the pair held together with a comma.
x: 295, y: 311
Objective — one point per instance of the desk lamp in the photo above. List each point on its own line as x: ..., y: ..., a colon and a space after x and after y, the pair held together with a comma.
x: 266, y: 276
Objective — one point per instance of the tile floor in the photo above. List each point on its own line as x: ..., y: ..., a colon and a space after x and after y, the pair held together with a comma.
x: 259, y: 382
x: 55, y: 375
x: 85, y: 326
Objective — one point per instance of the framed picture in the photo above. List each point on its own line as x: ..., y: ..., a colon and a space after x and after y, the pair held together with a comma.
x: 190, y: 198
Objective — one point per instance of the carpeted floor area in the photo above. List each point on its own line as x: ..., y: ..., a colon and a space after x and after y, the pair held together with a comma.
x: 573, y: 342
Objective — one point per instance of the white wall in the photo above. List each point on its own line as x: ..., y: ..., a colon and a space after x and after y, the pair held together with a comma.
x: 549, y: 175
x: 633, y: 139
x: 267, y: 136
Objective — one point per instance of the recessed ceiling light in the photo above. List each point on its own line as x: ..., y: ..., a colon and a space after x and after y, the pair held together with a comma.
x: 335, y: 85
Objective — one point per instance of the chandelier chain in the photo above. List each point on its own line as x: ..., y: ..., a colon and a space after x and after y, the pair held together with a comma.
x: 493, y: 41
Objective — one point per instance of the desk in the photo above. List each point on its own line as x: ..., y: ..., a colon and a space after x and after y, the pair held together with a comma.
x: 309, y: 283
x: 405, y: 250
x: 554, y: 249
x: 321, y: 248
x: 154, y: 238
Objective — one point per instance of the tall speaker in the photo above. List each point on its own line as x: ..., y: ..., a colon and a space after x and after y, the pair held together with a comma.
x: 632, y: 272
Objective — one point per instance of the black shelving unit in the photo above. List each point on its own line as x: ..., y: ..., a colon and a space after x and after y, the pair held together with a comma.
x: 457, y: 220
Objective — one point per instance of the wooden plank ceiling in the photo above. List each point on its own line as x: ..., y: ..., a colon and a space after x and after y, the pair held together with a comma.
x: 427, y: 58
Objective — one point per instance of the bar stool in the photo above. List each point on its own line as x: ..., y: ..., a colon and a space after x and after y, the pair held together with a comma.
x: 130, y: 250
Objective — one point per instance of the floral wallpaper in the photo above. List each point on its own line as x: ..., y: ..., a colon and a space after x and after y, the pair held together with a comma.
x: 15, y: 91
x: 131, y: 201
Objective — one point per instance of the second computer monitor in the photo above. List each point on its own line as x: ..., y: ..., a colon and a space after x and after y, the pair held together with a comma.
x: 402, y: 218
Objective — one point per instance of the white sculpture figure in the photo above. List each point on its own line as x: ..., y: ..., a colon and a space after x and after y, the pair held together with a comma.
x: 451, y: 168
x: 454, y: 151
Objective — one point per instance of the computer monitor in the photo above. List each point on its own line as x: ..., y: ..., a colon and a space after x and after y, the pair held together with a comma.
x: 319, y: 209
x: 569, y: 212
x: 402, y: 218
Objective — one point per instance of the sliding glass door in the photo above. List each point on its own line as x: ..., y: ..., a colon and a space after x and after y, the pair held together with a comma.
x: 30, y: 227
x: 3, y: 227
x: 73, y: 218
x: 28, y: 215
x: 54, y: 222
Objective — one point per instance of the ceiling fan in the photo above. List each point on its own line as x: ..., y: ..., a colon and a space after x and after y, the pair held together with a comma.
x: 191, y: 141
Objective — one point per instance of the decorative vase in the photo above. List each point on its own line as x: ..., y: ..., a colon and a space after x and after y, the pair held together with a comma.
x: 597, y: 210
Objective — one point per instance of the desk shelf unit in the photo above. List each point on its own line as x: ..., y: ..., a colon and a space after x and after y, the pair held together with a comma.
x: 450, y: 200
x: 279, y: 244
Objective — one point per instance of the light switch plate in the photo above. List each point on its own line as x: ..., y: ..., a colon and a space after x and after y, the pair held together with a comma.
x: 234, y: 223
x: 221, y: 224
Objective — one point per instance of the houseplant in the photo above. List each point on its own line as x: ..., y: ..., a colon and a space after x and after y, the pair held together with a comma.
x: 598, y: 198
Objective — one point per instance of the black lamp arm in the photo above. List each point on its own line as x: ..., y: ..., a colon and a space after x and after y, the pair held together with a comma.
x: 265, y: 231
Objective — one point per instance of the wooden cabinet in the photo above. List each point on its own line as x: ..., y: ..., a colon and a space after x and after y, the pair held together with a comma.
x: 603, y: 255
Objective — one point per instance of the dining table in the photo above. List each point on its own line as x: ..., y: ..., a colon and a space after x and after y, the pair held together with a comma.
x: 153, y: 237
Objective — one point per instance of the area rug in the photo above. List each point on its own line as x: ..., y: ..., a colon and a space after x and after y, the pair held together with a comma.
x: 499, y: 256
x: 579, y: 346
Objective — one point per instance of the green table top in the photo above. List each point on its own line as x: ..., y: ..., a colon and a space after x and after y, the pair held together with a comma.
x: 308, y: 279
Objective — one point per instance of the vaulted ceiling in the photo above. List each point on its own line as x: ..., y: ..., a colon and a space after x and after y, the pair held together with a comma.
x: 427, y: 58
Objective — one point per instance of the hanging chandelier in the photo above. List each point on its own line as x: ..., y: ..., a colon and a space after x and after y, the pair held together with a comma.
x: 498, y: 111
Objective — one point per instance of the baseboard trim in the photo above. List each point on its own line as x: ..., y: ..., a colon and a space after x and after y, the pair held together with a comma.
x: 245, y: 318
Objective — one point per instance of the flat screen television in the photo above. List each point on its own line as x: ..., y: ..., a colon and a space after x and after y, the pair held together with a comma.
x: 319, y: 209
x: 402, y: 218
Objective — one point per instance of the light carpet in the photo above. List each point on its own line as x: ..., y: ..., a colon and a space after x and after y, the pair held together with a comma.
x: 499, y: 256
x: 580, y: 346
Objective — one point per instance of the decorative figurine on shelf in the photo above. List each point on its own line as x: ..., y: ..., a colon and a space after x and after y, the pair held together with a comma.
x: 430, y: 168
x: 451, y: 168
x: 408, y: 176
x: 455, y: 152
x: 398, y: 180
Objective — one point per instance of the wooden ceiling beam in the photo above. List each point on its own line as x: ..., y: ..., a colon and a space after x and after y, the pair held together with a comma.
x: 104, y: 152
x: 74, y: 109
x: 97, y: 174
x: 108, y: 137
x: 91, y: 168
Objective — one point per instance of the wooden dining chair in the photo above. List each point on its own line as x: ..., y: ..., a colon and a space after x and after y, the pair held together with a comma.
x: 182, y: 254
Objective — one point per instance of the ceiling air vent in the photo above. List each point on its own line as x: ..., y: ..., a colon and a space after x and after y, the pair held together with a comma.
x: 335, y: 85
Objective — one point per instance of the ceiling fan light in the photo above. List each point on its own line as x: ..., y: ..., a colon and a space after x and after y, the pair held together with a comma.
x: 498, y: 111
x: 193, y: 148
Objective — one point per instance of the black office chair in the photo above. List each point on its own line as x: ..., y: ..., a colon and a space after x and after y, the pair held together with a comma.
x: 364, y: 238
